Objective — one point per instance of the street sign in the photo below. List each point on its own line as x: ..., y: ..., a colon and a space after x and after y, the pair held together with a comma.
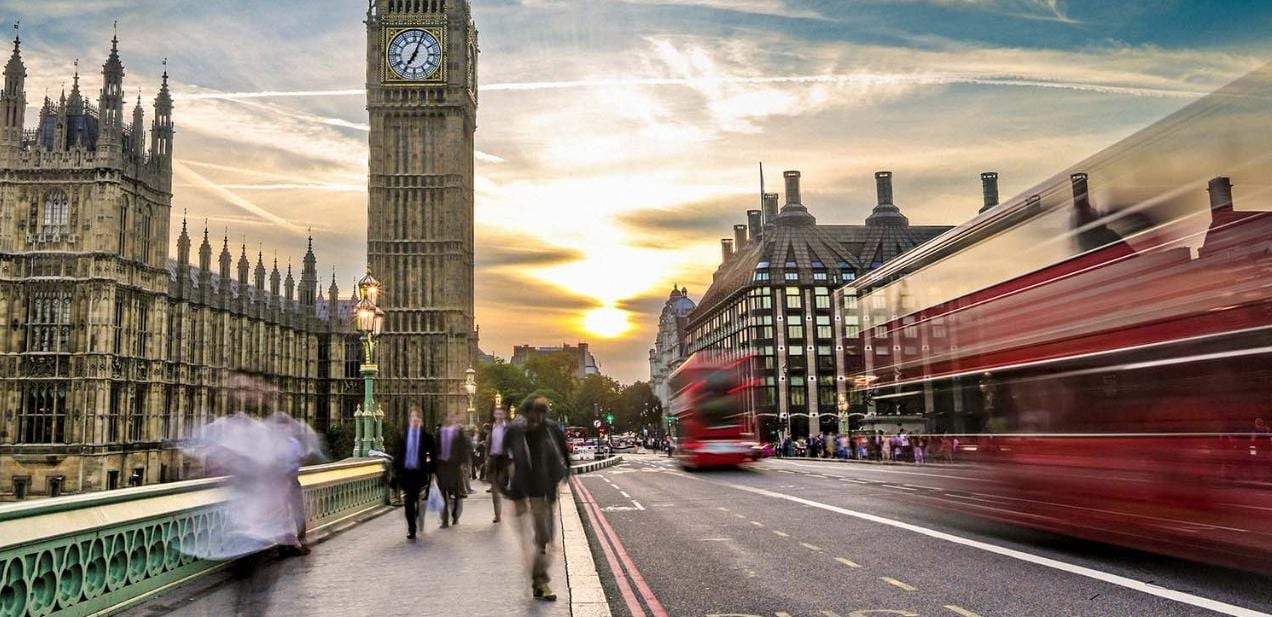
x: 596, y: 423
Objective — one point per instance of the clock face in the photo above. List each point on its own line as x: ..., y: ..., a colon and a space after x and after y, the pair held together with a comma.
x: 414, y: 54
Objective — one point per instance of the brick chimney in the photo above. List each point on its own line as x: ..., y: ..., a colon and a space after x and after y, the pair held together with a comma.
x: 989, y: 190
x: 754, y: 224
x: 792, y: 187
x: 1220, y: 189
x: 739, y: 236
x: 726, y: 249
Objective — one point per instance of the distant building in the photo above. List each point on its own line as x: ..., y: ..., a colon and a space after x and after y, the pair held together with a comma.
x: 670, y: 349
x: 771, y: 296
x: 585, y: 362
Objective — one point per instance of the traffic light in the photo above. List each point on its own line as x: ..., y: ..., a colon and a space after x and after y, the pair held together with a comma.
x: 609, y: 418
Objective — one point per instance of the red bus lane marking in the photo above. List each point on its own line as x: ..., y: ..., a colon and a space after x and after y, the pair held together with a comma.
x: 623, y: 587
x: 651, y: 601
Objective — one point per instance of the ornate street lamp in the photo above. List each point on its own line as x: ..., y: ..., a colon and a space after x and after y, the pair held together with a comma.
x: 470, y: 386
x: 369, y: 417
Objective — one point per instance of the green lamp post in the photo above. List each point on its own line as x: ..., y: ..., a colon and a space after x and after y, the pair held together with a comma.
x: 369, y: 418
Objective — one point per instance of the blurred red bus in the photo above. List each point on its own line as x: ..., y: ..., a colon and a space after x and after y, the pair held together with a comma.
x: 1104, y: 346
x: 711, y: 401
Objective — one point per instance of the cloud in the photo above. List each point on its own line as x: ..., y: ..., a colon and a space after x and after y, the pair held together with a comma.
x: 694, y: 221
x: 497, y: 250
x: 775, y: 8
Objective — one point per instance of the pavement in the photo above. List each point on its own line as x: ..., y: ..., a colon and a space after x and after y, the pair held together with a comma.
x: 806, y: 538
x: 475, y: 569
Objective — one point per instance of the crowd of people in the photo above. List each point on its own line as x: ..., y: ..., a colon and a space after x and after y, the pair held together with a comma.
x: 261, y: 454
x: 524, y: 461
x: 872, y: 446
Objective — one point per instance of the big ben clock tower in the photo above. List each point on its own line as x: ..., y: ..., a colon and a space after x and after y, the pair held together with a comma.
x: 422, y: 103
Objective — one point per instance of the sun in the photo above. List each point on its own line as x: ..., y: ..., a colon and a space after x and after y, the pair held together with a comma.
x: 607, y: 322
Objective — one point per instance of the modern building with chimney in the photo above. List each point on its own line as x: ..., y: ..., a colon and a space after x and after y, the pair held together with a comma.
x: 112, y: 353
x: 771, y: 297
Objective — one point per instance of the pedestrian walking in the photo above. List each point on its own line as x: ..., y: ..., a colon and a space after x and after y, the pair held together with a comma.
x: 497, y: 461
x: 412, y: 466
x: 539, y: 464
x: 452, y: 453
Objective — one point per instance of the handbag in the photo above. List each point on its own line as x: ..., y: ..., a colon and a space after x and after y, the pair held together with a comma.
x: 434, y: 498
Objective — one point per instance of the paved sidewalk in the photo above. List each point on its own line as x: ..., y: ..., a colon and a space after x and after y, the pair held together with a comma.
x: 475, y: 569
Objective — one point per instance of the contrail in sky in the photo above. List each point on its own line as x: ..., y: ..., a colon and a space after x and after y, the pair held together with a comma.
x: 935, y: 79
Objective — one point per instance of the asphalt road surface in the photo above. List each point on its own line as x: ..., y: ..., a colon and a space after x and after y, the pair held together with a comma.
x: 797, y: 538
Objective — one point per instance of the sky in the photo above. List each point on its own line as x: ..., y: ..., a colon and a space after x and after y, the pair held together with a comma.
x: 618, y: 140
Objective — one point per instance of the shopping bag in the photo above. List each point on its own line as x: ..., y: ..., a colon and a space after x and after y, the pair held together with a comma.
x: 434, y: 498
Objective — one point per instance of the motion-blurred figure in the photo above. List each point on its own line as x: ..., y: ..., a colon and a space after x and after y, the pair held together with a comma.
x: 539, y: 463
x: 302, y: 447
x: 497, y: 460
x: 453, y: 451
x: 263, y: 510
x: 412, y: 466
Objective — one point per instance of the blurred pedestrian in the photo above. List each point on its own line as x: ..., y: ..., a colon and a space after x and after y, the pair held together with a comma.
x: 539, y: 464
x: 299, y: 446
x: 412, y: 465
x: 452, y: 452
x: 480, y: 452
x: 259, y: 462
x: 497, y: 460
x: 468, y: 472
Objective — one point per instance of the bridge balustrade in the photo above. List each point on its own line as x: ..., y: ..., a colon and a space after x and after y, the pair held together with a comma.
x: 98, y: 553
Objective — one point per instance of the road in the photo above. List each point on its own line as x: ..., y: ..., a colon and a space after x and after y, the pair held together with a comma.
x: 796, y: 538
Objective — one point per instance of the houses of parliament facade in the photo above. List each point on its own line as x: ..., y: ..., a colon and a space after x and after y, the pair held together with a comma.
x: 111, y: 352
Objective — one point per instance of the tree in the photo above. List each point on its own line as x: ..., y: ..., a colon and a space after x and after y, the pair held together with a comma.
x: 554, y: 371
x: 510, y: 381
x: 637, y: 407
x: 595, y: 395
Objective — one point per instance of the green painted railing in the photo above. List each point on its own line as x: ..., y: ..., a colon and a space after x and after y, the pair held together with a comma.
x: 100, y: 552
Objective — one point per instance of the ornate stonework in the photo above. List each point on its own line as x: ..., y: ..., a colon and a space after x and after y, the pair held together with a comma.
x: 110, y: 352
x: 422, y: 104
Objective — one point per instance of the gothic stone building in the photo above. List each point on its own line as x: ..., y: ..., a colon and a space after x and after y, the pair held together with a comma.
x: 668, y: 352
x: 422, y: 109
x: 771, y: 297
x: 110, y: 353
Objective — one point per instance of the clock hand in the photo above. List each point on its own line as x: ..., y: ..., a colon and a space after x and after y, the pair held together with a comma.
x: 415, y: 53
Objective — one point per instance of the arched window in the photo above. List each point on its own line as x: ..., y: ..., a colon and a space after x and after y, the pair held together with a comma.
x: 55, y: 213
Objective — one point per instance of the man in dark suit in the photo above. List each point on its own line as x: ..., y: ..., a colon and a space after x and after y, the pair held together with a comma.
x: 453, y: 451
x: 412, y: 465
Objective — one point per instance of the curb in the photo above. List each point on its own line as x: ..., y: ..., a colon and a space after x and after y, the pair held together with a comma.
x: 609, y: 462
x: 587, y: 595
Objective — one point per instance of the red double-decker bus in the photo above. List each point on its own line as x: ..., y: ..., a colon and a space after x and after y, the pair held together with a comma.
x: 712, y: 403
x: 1101, y: 347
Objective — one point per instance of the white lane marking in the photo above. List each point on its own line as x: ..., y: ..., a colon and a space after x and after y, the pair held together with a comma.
x: 904, y: 488
x: 848, y: 562
x: 722, y: 508
x: 757, y: 523
x: 637, y: 504
x: 782, y: 533
x: 958, y: 610
x: 811, y: 547
x: 908, y: 473
x: 624, y: 494
x: 1113, y: 579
